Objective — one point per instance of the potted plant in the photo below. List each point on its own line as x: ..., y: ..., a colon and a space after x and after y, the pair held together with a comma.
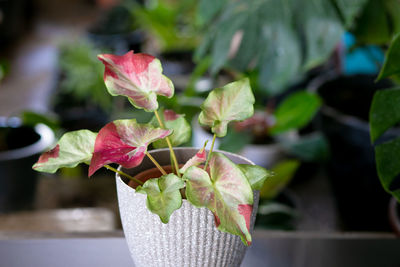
x: 190, y: 196
x: 81, y: 100
x: 19, y: 147
x: 345, y: 118
x: 385, y: 134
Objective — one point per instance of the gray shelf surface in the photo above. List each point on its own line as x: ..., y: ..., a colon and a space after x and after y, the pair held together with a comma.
x: 270, y: 248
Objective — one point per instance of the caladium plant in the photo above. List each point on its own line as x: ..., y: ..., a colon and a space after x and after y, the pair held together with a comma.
x: 208, y: 179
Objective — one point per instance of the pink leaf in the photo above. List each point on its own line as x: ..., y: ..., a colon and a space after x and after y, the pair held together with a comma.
x: 138, y: 77
x: 200, y: 157
x: 124, y: 142
x: 170, y: 115
x: 226, y: 192
x: 49, y: 154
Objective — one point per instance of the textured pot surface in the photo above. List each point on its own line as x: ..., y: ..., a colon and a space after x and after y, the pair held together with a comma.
x: 189, y: 239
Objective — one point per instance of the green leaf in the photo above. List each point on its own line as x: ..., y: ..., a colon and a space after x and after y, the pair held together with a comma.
x: 322, y: 30
x: 349, y: 9
x: 207, y: 9
x: 226, y: 192
x: 295, y: 111
x: 256, y: 175
x: 388, y: 166
x: 32, y: 118
x: 163, y: 195
x: 177, y: 123
x: 73, y: 148
x: 234, y: 141
x: 284, y: 173
x: 373, y: 26
x: 391, y: 65
x: 281, y: 60
x: 310, y: 148
x: 384, y: 112
x: 233, y: 102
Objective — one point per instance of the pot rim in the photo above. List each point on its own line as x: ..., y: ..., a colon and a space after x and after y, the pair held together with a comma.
x: 46, y: 140
x: 117, y: 176
x: 394, y: 216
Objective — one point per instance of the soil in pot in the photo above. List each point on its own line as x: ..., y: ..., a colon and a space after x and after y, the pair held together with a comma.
x: 361, y: 200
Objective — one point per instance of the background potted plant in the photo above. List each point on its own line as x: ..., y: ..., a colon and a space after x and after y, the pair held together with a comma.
x: 227, y: 190
x: 19, y: 147
x: 348, y: 93
x: 384, y: 119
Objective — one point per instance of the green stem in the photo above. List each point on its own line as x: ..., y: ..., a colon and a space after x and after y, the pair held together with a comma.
x: 169, y: 144
x: 123, y: 174
x: 210, y: 152
x: 156, y: 163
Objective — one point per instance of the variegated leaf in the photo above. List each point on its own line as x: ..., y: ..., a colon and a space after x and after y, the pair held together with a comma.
x: 256, y: 175
x: 226, y: 192
x: 200, y: 157
x: 233, y: 102
x: 175, y: 122
x: 163, y: 195
x: 73, y: 148
x: 124, y: 142
x: 137, y: 76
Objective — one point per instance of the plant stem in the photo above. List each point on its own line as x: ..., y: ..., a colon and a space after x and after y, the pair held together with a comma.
x: 123, y: 174
x: 156, y: 163
x: 209, y: 153
x: 169, y: 145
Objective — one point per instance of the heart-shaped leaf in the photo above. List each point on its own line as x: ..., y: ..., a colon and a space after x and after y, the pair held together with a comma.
x: 137, y: 76
x: 233, y: 102
x: 175, y: 122
x: 163, y: 195
x: 227, y: 194
x: 200, y: 157
x: 256, y: 175
x: 73, y: 148
x: 124, y: 142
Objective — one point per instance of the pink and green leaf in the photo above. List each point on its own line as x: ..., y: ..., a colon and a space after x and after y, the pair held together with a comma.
x: 226, y: 192
x: 72, y: 149
x: 124, y: 142
x: 138, y: 77
x: 163, y: 195
x: 256, y: 175
x: 199, y: 158
x: 175, y: 122
x: 233, y: 102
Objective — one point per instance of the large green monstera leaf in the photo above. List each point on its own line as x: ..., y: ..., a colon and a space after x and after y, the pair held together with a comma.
x: 163, y: 195
x: 226, y: 192
x: 233, y: 102
x: 73, y: 148
x: 124, y: 142
x: 138, y: 77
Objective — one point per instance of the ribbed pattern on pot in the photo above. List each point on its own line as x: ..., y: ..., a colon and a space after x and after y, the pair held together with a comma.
x: 189, y: 239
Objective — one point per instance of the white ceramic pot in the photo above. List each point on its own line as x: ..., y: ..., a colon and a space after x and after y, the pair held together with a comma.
x: 189, y: 239
x: 263, y: 155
